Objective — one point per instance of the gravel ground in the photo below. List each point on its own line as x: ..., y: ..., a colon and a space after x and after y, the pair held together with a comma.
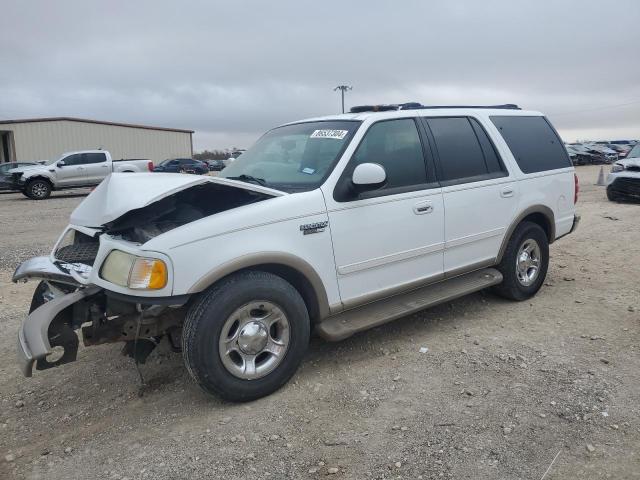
x: 503, y: 389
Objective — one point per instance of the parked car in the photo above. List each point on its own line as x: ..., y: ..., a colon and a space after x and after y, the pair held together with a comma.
x: 86, y: 168
x: 337, y: 224
x: 182, y: 165
x: 215, y: 165
x: 233, y: 156
x: 623, y: 183
x: 5, y: 178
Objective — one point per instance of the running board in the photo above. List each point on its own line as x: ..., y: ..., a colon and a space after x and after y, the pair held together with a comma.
x: 343, y: 325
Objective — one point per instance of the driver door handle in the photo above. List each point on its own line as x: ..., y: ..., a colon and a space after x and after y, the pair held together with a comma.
x: 422, y: 207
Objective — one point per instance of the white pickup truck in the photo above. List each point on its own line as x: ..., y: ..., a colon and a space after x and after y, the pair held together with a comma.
x: 72, y: 170
x: 335, y: 224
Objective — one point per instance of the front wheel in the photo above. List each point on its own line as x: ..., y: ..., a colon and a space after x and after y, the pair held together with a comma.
x: 246, y: 336
x: 524, y: 263
x: 37, y: 189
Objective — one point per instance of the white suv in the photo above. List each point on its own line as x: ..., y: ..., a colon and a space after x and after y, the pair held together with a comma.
x: 336, y: 224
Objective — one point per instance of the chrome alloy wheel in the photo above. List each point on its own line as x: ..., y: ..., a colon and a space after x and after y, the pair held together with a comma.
x: 254, y: 340
x: 528, y: 262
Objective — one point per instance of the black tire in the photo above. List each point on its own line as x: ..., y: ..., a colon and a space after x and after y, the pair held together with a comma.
x: 511, y: 286
x: 37, y: 189
x: 206, y: 318
x: 611, y: 196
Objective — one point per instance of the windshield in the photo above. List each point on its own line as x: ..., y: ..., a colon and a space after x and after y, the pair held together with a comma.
x: 635, y: 152
x: 294, y: 157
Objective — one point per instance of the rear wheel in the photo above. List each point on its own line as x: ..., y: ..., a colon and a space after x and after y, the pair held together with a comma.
x: 524, y: 263
x: 246, y: 336
x: 37, y: 189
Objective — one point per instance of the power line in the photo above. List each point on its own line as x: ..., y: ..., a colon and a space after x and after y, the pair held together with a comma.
x: 342, y: 88
x: 596, y: 108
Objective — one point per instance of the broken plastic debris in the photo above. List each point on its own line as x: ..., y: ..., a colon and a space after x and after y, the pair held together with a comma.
x: 424, y: 349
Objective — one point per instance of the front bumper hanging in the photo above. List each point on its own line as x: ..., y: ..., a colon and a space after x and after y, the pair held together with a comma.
x: 42, y: 268
x: 33, y: 337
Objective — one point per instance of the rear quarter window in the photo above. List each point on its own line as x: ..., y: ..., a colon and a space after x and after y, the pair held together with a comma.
x: 534, y: 143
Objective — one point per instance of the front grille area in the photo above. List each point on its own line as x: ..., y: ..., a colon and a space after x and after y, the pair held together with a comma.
x: 78, y: 253
x: 77, y: 247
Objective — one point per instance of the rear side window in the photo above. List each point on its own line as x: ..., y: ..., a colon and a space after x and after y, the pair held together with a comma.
x: 94, y: 158
x: 465, y: 152
x: 533, y: 142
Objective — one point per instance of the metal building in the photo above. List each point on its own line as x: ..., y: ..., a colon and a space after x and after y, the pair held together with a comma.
x: 47, y: 138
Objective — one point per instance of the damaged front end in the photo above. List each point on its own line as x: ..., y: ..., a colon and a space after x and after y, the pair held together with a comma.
x: 48, y: 336
x: 75, y: 297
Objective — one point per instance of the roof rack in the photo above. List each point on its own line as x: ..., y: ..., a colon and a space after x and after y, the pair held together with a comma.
x: 419, y: 106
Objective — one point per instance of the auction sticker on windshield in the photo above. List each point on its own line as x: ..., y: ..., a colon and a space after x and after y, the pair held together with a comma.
x: 337, y: 134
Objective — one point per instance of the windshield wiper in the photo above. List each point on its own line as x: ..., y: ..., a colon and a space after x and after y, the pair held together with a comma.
x: 249, y: 178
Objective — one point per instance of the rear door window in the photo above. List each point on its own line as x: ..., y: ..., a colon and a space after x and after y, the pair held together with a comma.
x: 534, y: 143
x: 465, y: 152
x: 94, y: 158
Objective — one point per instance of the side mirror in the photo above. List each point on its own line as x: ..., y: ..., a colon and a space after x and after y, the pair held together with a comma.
x: 60, y: 164
x: 368, y: 176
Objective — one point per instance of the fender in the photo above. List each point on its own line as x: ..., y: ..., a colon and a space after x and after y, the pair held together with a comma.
x: 535, y: 209
x: 269, y: 258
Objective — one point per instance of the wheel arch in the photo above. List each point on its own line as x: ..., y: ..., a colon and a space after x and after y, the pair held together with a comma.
x: 40, y: 177
x: 539, y: 214
x: 299, y: 273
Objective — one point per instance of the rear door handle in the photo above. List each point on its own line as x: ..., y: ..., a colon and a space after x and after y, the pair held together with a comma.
x: 506, y: 192
x: 422, y: 208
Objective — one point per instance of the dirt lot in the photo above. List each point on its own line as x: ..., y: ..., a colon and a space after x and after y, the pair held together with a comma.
x: 503, y: 389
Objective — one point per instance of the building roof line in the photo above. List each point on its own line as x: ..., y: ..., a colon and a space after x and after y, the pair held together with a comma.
x: 99, y: 122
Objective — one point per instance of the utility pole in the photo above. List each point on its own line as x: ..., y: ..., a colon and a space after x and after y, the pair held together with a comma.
x: 342, y: 88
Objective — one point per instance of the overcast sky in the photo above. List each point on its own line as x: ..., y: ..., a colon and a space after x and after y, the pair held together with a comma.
x: 230, y: 70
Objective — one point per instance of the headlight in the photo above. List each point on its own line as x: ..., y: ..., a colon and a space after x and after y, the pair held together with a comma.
x: 134, y: 272
x: 616, y: 167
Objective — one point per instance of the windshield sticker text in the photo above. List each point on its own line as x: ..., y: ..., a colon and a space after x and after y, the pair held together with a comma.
x: 337, y: 134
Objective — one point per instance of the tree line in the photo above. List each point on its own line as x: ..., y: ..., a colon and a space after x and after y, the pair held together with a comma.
x: 211, y: 155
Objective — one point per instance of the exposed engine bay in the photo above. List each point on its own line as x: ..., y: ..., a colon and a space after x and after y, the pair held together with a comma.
x: 67, y: 308
x: 200, y: 201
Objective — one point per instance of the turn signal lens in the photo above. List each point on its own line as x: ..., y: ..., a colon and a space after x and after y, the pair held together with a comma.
x: 138, y: 273
x: 148, y: 273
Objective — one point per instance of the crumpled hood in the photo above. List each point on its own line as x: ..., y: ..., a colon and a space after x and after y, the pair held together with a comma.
x: 27, y: 168
x: 121, y: 192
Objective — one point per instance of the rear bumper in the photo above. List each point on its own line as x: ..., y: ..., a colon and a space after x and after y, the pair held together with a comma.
x: 574, y: 226
x: 576, y: 221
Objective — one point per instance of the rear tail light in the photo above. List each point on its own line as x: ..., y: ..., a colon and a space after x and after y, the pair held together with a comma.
x: 576, y: 188
x: 150, y: 166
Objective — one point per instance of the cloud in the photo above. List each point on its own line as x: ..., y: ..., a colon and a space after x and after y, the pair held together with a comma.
x: 231, y: 70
